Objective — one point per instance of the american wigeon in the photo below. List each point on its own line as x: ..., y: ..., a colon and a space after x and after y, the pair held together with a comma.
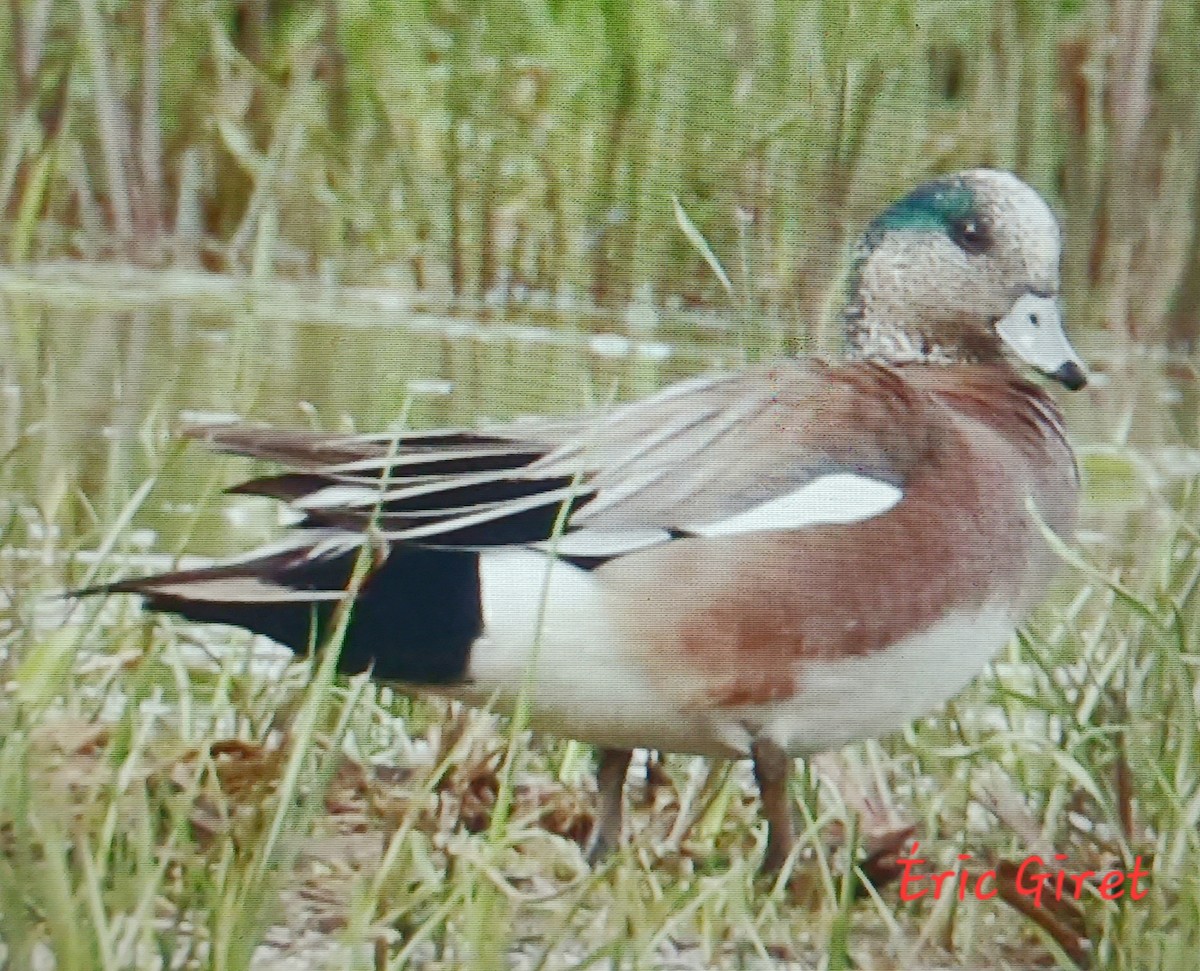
x: 761, y: 564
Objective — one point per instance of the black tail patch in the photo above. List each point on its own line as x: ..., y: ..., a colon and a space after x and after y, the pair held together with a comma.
x: 415, y: 618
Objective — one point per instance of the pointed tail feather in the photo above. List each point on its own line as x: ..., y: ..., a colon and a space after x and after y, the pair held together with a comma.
x: 414, y: 620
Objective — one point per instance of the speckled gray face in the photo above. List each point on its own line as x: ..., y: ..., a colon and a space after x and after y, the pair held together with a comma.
x: 961, y: 269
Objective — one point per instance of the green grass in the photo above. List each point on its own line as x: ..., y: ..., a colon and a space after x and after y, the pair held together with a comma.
x: 164, y: 802
x: 207, y: 811
x: 164, y: 796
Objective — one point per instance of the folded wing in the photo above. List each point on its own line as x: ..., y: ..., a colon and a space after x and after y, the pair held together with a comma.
x: 712, y: 456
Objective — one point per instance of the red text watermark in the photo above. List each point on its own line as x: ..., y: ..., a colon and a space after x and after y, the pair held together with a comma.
x: 1034, y: 877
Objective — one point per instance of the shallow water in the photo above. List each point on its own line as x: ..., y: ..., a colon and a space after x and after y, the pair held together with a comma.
x: 102, y: 365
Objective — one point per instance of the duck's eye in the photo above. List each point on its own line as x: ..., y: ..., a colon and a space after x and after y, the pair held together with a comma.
x: 971, y: 235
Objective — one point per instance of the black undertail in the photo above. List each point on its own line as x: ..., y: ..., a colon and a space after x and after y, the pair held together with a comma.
x: 435, y: 500
x: 414, y: 620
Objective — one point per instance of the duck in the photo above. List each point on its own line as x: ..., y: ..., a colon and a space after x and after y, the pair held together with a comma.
x: 762, y: 564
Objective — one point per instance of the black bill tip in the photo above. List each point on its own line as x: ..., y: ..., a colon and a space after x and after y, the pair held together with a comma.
x: 1071, y: 376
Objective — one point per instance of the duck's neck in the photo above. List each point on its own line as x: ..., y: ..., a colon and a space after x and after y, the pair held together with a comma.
x: 897, y: 333
x: 902, y: 308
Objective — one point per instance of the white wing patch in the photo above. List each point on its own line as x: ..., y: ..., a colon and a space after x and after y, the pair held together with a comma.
x: 841, y: 497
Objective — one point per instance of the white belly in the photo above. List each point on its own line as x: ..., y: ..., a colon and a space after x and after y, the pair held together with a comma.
x: 864, y: 697
x: 548, y: 629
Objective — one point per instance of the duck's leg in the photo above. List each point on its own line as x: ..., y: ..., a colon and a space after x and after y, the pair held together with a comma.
x: 772, y: 767
x: 610, y: 784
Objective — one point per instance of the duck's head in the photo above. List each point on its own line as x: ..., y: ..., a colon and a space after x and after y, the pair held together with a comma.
x: 963, y: 269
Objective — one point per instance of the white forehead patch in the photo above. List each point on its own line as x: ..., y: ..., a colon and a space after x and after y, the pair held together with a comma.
x: 1024, y: 197
x: 1027, y: 221
x: 841, y: 497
